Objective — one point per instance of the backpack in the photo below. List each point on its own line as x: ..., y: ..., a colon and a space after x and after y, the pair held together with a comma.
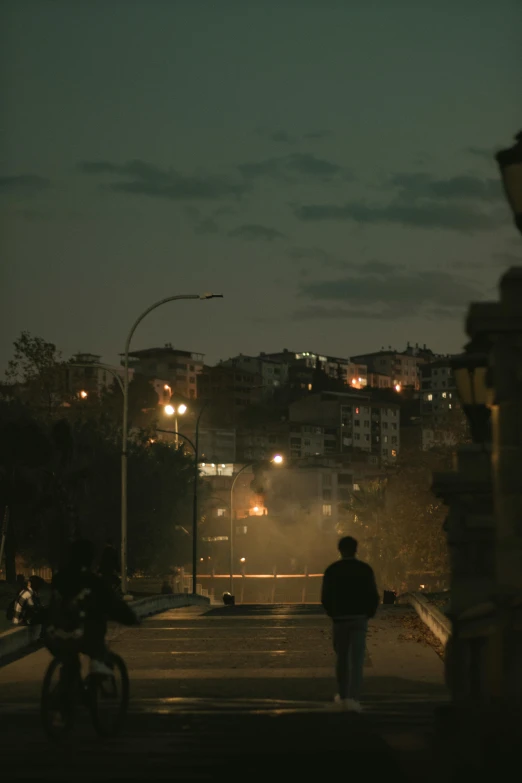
x: 65, y: 621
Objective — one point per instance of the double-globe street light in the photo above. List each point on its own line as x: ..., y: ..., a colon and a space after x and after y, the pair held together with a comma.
x: 125, y: 428
x: 195, y: 484
x: 277, y: 459
x: 175, y: 410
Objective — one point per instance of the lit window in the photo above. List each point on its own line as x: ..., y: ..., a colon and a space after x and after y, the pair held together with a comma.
x: 430, y: 397
x: 444, y: 394
x: 221, y: 512
x: 327, y: 509
x: 357, y: 411
x: 394, y: 452
x: 449, y: 406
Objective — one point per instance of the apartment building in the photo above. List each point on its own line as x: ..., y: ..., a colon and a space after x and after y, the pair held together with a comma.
x: 272, y: 373
x: 378, y: 380
x: 439, y: 392
x: 402, y: 368
x: 307, y: 361
x: 217, y: 445
x: 180, y: 369
x: 229, y: 390
x: 360, y: 423
x: 86, y: 372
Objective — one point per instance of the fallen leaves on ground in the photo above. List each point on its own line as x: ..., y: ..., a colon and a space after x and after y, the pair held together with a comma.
x: 416, y: 631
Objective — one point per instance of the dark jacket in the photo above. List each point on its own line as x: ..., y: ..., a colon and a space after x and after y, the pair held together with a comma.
x: 93, y: 596
x: 349, y: 589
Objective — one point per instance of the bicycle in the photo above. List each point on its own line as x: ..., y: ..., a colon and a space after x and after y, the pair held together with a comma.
x: 105, y: 697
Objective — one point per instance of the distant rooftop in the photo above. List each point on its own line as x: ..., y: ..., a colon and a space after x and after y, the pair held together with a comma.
x: 166, y: 350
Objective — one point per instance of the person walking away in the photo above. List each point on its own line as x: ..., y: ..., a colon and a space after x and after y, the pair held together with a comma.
x: 81, y: 605
x: 349, y: 597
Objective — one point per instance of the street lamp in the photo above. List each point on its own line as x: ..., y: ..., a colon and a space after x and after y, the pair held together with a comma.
x: 125, y: 428
x: 277, y: 459
x: 470, y: 371
x: 173, y: 410
x: 83, y: 394
x: 510, y: 165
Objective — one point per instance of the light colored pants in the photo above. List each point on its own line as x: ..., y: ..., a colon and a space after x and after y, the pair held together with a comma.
x: 349, y: 638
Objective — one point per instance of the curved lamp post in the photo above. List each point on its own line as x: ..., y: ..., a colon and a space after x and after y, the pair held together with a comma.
x: 195, y: 486
x: 125, y: 429
x: 510, y: 165
x: 276, y: 460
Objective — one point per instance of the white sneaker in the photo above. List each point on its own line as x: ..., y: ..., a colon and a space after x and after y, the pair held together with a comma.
x: 99, y: 667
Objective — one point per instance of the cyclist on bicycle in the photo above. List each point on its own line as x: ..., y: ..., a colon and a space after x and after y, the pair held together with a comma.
x: 81, y: 605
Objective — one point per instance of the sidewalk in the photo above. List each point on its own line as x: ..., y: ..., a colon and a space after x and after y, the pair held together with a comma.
x: 257, y: 685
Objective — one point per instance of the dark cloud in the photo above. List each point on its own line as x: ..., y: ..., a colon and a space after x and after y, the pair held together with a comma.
x: 283, y: 137
x: 203, y: 224
x: 389, y: 292
x: 315, y: 254
x: 287, y: 167
x: 414, y: 187
x: 422, y: 215
x: 206, y: 226
x: 318, y: 135
x: 149, y: 180
x: 253, y: 232
x: 484, y: 152
x: 395, y: 287
x: 321, y: 258
x: 457, y: 203
x: 316, y: 313
x: 24, y: 182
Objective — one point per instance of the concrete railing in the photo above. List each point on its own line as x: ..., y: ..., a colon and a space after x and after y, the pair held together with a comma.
x: 144, y: 607
x: 436, y: 621
x: 26, y: 637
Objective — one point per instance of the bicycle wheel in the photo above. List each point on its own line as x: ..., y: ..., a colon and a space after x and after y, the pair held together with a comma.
x: 58, y: 702
x: 109, y: 697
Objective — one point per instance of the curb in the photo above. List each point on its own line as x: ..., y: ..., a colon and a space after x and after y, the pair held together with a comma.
x: 17, y: 640
x: 437, y: 622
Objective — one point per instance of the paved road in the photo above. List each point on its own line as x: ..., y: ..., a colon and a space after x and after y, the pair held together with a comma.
x: 235, y: 688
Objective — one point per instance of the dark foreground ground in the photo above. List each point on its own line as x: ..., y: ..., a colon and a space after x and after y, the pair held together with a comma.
x: 240, y: 693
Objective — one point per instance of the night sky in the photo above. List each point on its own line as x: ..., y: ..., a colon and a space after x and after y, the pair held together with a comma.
x: 325, y: 164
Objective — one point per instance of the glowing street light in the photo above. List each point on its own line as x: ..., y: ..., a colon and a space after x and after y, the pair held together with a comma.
x: 278, y: 459
x: 172, y: 410
x: 83, y: 394
x: 398, y: 387
x: 242, y: 559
